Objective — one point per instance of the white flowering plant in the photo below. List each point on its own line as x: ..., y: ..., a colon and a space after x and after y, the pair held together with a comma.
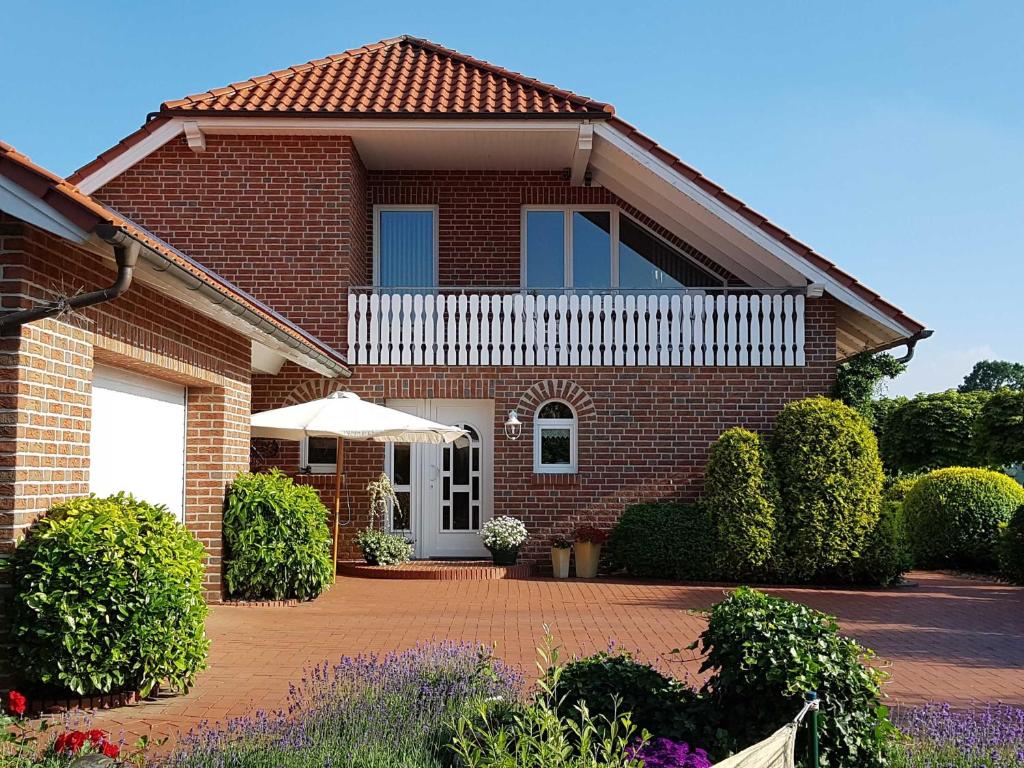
x: 503, y: 533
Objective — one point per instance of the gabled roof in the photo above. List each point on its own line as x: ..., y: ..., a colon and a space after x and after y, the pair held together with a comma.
x: 401, y: 76
x: 86, y: 213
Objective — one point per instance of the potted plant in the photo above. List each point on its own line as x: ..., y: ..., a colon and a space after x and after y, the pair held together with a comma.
x: 503, y: 536
x: 588, y: 550
x: 379, y: 547
x: 561, y: 547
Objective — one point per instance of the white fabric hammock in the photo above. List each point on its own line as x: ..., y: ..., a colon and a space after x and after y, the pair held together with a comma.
x: 777, y: 751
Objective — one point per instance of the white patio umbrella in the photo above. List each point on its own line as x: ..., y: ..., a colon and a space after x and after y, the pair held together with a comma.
x: 345, y: 415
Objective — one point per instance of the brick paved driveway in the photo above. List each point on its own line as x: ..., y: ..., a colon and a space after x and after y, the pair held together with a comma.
x: 947, y: 639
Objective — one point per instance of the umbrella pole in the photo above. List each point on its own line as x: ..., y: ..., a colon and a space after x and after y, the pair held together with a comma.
x: 339, y: 468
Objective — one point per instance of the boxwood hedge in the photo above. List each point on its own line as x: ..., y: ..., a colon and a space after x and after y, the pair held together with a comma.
x: 663, y: 540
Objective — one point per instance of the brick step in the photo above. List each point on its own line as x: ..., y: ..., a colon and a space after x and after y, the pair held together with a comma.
x: 436, y: 570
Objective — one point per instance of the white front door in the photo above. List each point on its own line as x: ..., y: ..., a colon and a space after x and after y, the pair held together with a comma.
x: 445, y: 491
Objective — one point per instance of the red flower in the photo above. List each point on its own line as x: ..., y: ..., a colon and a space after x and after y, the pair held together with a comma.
x: 15, y: 703
x: 110, y: 749
x: 96, y: 736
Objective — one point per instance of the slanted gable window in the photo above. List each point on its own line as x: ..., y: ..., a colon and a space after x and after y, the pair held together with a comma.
x: 599, y: 248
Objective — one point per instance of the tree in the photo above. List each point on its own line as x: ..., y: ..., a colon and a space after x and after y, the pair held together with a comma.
x: 859, y: 377
x: 999, y: 430
x: 932, y: 431
x: 993, y: 375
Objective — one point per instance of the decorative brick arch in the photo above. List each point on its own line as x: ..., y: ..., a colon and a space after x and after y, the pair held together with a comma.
x: 314, y: 389
x: 557, y: 389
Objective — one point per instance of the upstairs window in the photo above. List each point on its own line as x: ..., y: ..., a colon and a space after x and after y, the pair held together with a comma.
x: 554, y: 439
x: 405, y: 246
x: 597, y: 248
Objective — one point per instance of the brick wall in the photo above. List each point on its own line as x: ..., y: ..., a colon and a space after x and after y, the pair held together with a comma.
x: 46, y: 385
x: 644, y: 433
x: 280, y: 216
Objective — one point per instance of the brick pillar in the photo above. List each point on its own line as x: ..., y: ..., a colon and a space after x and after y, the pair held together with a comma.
x: 216, y: 449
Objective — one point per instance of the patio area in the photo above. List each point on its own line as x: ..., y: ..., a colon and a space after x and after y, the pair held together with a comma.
x: 948, y: 638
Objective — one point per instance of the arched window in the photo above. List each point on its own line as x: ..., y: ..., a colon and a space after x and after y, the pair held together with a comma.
x: 554, y: 438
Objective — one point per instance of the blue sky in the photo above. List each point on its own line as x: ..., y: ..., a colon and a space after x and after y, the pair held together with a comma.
x: 890, y: 136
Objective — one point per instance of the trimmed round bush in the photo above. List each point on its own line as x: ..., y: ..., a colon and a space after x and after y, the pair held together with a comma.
x: 741, y: 497
x: 896, y: 487
x: 663, y: 540
x: 613, y: 683
x: 108, y: 596
x: 1011, y: 548
x: 764, y: 653
x: 278, y: 542
x: 953, y: 516
x: 830, y: 484
x: 932, y: 431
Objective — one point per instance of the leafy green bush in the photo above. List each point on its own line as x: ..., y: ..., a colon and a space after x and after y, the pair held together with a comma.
x: 953, y: 516
x: 858, y: 379
x: 932, y: 431
x: 885, y: 555
x: 830, y: 482
x: 896, y: 487
x: 108, y: 596
x: 765, y: 653
x: 278, y: 542
x: 741, y: 497
x: 1011, y: 548
x: 663, y: 540
x: 383, y: 548
x: 999, y: 430
x: 611, y: 683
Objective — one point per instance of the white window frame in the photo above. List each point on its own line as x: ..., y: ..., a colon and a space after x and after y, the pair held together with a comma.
x: 539, y: 425
x: 616, y: 213
x: 389, y: 470
x: 314, y: 469
x: 377, y: 210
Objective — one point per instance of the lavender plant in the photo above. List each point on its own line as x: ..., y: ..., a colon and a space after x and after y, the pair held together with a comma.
x: 364, y: 712
x: 938, y: 736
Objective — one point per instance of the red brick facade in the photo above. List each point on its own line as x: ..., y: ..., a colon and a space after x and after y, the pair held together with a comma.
x: 290, y: 219
x: 46, y: 385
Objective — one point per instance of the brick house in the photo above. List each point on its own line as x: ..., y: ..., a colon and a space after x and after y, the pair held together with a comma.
x: 477, y: 243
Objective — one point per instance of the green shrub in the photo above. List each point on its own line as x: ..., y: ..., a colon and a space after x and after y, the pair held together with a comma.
x: 885, y: 554
x: 896, y: 487
x: 858, y: 379
x: 611, y: 683
x: 932, y: 431
x: 108, y: 596
x: 999, y: 430
x: 741, y: 497
x: 278, y: 542
x: 1011, y: 548
x: 765, y: 653
x: 953, y: 516
x: 663, y: 540
x: 382, y: 548
x: 830, y: 482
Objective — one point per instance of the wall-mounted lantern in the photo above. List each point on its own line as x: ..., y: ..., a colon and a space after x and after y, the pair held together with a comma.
x: 513, y: 426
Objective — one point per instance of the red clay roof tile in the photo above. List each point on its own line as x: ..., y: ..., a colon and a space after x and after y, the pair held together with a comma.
x: 401, y: 76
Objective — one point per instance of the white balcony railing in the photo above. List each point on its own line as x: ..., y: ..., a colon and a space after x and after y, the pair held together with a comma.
x: 458, y: 327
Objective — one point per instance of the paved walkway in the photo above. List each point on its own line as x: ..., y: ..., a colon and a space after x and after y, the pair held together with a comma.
x: 947, y: 639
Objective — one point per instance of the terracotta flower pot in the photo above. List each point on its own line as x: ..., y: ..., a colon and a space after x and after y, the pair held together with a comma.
x: 588, y: 555
x: 504, y: 556
x: 560, y: 562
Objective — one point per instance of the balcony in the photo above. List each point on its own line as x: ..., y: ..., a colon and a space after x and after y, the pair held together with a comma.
x: 485, y: 326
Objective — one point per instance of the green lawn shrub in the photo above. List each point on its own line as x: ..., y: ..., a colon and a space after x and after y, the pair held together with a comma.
x: 1011, y: 548
x: 999, y: 430
x: 932, y: 431
x: 610, y: 683
x: 830, y: 482
x: 953, y: 516
x: 885, y: 554
x: 765, y: 653
x: 741, y: 497
x: 663, y: 540
x: 278, y: 541
x: 107, y: 595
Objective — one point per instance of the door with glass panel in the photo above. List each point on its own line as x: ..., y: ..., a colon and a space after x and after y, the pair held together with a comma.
x: 445, y: 492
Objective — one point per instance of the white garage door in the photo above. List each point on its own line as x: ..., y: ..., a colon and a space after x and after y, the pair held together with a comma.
x: 138, y: 437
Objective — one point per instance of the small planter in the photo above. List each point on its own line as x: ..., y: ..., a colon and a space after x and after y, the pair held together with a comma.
x: 560, y: 562
x: 588, y: 555
x: 504, y: 556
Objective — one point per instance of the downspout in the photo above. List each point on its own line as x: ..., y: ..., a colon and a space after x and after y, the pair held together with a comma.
x: 912, y: 345
x: 126, y: 255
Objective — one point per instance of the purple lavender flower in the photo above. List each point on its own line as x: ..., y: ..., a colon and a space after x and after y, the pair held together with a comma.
x: 665, y: 753
x: 991, y: 736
